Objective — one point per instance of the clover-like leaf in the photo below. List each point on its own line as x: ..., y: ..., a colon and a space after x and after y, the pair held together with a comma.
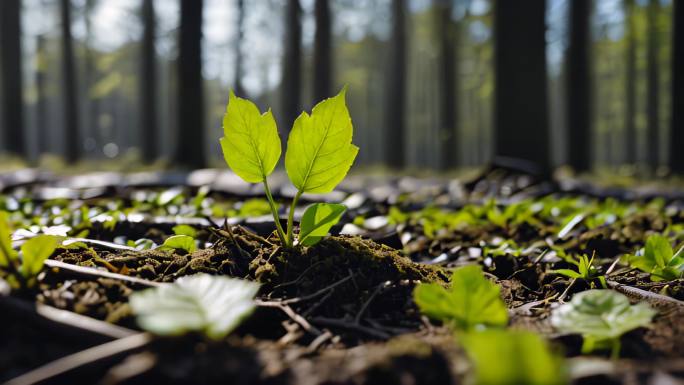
x: 212, y: 305
x: 7, y: 253
x: 319, y: 149
x: 35, y: 251
x: 600, y: 316
x: 505, y: 357
x: 179, y: 242
x: 471, y: 301
x: 251, y: 145
x: 317, y: 221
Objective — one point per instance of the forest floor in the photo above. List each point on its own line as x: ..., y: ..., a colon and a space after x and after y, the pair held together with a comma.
x: 342, y: 311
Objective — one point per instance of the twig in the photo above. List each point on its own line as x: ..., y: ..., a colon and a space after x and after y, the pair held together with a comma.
x: 350, y: 326
x: 89, y: 271
x: 292, y: 314
x: 232, y: 238
x: 317, y: 293
x: 370, y: 299
x: 567, y: 289
x: 656, y: 300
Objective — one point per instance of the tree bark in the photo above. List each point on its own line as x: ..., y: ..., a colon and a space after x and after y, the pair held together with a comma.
x: 190, y: 144
x: 653, y: 82
x: 322, y: 87
x: 292, y: 65
x: 521, y: 113
x: 71, y: 129
x: 447, y: 33
x: 12, y: 91
x: 396, y: 88
x: 148, y: 84
x: 630, y: 92
x: 578, y: 87
x: 237, y: 81
x: 677, y: 124
x: 41, y: 105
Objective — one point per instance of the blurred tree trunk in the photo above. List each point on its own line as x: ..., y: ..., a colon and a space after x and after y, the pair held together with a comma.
x: 677, y: 126
x: 653, y: 102
x: 71, y: 138
x: 322, y: 52
x: 521, y: 115
x: 578, y: 86
x: 41, y: 105
x: 630, y: 93
x: 447, y: 33
x: 190, y: 143
x: 292, y: 65
x: 12, y: 92
x: 237, y: 82
x: 148, y: 84
x: 91, y: 129
x: 396, y: 88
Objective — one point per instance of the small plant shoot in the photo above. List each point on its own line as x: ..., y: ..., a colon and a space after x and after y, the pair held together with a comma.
x: 585, y: 270
x: 470, y: 303
x: 318, y: 157
x: 601, y: 317
x: 658, y: 259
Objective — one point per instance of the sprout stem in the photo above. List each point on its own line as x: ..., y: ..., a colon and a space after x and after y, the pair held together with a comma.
x: 274, y: 211
x: 290, y: 218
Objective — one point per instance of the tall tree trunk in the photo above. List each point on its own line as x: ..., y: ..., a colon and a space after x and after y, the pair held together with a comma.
x: 677, y: 125
x: 190, y: 144
x: 41, y: 105
x: 322, y: 87
x: 292, y: 65
x: 148, y: 84
x: 396, y: 88
x: 237, y: 82
x: 447, y: 32
x: 630, y: 92
x: 12, y: 99
x: 653, y: 82
x: 521, y: 114
x: 578, y: 87
x: 72, y: 140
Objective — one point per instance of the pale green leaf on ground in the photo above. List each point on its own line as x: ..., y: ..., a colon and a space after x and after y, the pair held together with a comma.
x: 7, y: 254
x: 251, y: 145
x: 317, y: 221
x: 319, y: 149
x: 185, y: 230
x: 180, y: 242
x: 34, y: 253
x: 471, y: 301
x: 212, y: 305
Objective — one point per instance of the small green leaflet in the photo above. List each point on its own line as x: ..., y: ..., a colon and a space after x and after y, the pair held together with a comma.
x: 34, y: 252
x: 470, y: 302
x: 181, y: 242
x: 7, y: 254
x: 319, y: 149
x: 251, y: 145
x: 658, y: 259
x: 213, y: 305
x: 601, y: 317
x: 317, y: 221
x: 185, y: 230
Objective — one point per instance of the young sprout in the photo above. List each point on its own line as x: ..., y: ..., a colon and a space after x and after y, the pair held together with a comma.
x: 319, y: 155
x: 585, y: 269
x: 659, y: 259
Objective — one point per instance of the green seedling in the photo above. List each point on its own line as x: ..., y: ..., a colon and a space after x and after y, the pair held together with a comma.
x: 185, y: 230
x: 601, y: 317
x: 319, y: 155
x: 21, y: 270
x: 585, y: 269
x: 658, y: 259
x: 502, y: 357
x: 203, y: 303
x: 471, y: 302
x: 179, y: 242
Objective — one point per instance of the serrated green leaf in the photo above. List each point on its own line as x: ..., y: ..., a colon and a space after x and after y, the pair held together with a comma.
x: 470, y: 302
x: 601, y: 315
x: 251, y: 145
x: 319, y: 149
x: 34, y: 253
x: 212, y: 305
x: 180, y: 242
x: 317, y: 221
x: 7, y: 253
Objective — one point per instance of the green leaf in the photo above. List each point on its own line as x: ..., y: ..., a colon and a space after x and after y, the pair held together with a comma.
x: 251, y: 145
x: 568, y: 273
x: 658, y: 249
x: 658, y: 259
x: 185, y: 230
x: 317, y: 221
x: 601, y: 315
x: 7, y: 253
x: 471, y: 301
x: 34, y: 253
x: 181, y: 242
x: 319, y: 149
x: 505, y: 357
x: 212, y: 305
